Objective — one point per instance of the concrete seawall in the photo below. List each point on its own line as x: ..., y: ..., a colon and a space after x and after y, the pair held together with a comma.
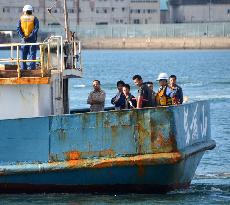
x: 157, y: 43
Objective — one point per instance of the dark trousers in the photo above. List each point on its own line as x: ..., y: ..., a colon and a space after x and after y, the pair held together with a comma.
x: 31, y: 51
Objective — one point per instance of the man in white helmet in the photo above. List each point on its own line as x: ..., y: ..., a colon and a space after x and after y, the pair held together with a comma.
x: 165, y: 94
x: 27, y: 30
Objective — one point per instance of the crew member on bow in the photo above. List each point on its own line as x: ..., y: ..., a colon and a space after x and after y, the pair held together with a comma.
x: 165, y: 94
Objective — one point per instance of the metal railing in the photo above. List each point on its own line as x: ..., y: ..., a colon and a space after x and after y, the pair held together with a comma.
x: 44, y: 55
x: 182, y: 30
x: 12, y: 59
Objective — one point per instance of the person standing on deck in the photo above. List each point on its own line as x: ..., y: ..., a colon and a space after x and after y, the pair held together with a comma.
x: 119, y: 99
x: 130, y: 101
x: 144, y: 98
x: 96, y: 98
x: 165, y: 94
x: 27, y: 30
x: 178, y: 98
x: 150, y: 85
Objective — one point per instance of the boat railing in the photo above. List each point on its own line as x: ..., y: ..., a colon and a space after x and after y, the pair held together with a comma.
x: 54, y: 54
x: 16, y: 59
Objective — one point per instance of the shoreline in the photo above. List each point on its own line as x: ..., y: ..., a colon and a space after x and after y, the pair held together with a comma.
x: 154, y: 43
x: 157, y: 43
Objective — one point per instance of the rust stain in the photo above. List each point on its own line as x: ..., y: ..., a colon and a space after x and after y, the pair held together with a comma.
x: 140, y: 161
x: 159, y: 142
x: 73, y: 155
x: 142, y: 134
x: 24, y: 80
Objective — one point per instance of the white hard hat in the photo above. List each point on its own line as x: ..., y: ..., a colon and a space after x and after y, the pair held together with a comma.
x: 163, y: 76
x: 27, y: 8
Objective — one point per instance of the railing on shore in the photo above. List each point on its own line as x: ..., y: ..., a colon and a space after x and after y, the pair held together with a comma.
x: 188, y: 30
x: 155, y: 31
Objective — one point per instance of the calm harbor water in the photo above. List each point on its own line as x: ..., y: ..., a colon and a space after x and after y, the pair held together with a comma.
x: 203, y: 74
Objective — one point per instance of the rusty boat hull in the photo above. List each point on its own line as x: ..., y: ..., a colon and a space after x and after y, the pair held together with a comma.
x: 152, y: 150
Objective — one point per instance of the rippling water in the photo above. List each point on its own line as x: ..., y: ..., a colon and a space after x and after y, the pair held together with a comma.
x: 203, y: 74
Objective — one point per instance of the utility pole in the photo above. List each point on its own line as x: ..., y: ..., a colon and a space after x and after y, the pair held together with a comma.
x: 44, y: 12
x: 78, y: 14
x: 209, y: 11
x: 66, y: 21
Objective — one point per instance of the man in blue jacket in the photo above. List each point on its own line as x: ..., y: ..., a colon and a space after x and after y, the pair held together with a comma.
x: 119, y: 99
x: 27, y: 30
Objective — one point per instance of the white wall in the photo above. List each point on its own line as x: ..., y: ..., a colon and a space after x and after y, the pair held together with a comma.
x: 19, y: 101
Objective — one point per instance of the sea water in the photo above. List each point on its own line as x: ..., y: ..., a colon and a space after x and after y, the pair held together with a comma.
x: 203, y: 75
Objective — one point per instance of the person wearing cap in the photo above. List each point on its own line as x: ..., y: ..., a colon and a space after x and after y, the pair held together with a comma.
x: 27, y: 30
x: 144, y: 98
x: 178, y: 98
x: 165, y: 94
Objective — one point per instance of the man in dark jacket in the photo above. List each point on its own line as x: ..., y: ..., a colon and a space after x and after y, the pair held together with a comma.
x: 178, y: 98
x: 144, y: 98
x: 130, y: 101
x: 119, y: 99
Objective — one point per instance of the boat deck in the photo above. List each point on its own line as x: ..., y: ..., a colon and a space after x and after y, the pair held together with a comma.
x: 10, y: 75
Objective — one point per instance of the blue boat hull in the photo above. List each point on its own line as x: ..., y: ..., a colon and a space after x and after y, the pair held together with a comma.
x: 149, y: 150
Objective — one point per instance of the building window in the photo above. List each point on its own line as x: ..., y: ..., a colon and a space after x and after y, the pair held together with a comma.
x: 136, y: 21
x: 228, y: 11
x: 113, y: 8
x: 70, y: 10
x: 123, y: 9
x: 6, y: 10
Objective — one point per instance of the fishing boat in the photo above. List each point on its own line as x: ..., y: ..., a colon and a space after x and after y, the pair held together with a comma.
x: 46, y: 147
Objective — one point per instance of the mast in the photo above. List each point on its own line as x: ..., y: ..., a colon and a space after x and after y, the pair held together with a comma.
x: 66, y: 21
x: 65, y: 85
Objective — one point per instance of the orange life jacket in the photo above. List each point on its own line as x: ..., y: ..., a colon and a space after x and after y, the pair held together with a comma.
x: 163, y: 99
x: 27, y: 24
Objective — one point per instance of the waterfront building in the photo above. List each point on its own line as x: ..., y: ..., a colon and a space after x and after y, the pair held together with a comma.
x: 83, y: 12
x: 199, y: 11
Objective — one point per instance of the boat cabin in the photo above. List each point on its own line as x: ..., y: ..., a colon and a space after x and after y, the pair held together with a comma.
x: 43, y: 91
